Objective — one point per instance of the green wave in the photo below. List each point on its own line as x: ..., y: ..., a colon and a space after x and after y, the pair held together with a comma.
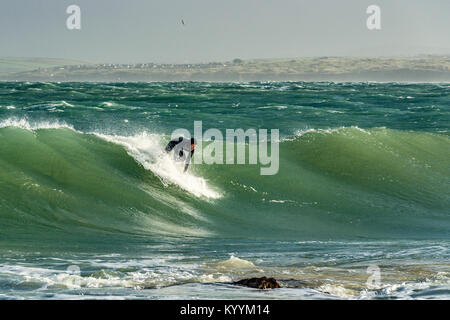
x: 341, y: 183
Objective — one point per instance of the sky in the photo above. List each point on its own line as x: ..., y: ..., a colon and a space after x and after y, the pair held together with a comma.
x: 133, y: 31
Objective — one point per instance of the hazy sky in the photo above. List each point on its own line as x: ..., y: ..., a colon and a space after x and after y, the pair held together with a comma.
x: 151, y: 30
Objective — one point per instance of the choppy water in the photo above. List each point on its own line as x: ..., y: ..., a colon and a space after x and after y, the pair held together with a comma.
x: 90, y: 207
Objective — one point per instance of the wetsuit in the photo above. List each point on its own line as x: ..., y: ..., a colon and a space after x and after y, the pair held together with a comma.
x: 182, y: 150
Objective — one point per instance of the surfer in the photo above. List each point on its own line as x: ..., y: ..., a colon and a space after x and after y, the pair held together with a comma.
x: 183, y: 149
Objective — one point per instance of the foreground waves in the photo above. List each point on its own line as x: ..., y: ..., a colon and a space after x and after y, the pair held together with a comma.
x: 90, y: 203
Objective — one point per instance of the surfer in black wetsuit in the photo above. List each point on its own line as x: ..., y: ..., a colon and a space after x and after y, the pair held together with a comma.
x: 183, y: 149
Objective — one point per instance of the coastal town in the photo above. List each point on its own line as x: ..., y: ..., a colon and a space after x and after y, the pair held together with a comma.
x: 417, y: 68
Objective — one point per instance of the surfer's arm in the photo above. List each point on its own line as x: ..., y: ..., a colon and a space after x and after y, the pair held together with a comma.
x: 172, y: 144
x: 188, y: 160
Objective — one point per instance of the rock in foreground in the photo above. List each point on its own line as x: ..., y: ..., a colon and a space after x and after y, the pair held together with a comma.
x: 259, y: 283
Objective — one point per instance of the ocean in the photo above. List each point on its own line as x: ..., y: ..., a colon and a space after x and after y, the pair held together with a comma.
x: 91, y: 207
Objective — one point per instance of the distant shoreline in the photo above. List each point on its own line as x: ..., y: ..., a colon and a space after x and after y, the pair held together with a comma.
x: 428, y: 68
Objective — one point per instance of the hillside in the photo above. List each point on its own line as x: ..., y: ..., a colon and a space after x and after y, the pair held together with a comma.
x: 421, y: 69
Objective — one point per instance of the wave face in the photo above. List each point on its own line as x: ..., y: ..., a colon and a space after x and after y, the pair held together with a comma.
x: 339, y: 183
x: 62, y: 180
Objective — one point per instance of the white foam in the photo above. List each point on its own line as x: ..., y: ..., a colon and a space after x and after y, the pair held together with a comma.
x: 235, y: 263
x: 278, y: 201
x: 301, y: 132
x: 338, y: 290
x: 148, y: 150
x: 65, y: 103
x: 412, y: 289
x: 273, y: 107
x: 50, y: 278
x: 244, y: 186
x: 10, y: 107
x: 25, y: 124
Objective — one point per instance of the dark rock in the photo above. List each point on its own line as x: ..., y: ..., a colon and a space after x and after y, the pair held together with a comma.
x: 259, y: 283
